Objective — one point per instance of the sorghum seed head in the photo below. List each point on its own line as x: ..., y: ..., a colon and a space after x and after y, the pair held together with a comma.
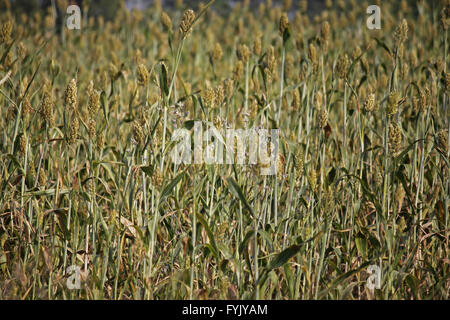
x: 323, y: 117
x: 70, y: 95
x: 447, y: 81
x: 392, y: 103
x: 92, y: 129
x: 243, y: 53
x: 208, y: 96
x: 395, y: 138
x: 94, y: 103
x: 166, y: 21
x: 369, y: 104
x: 90, y: 88
x: 313, y: 179
x: 257, y: 46
x: 356, y: 52
x: 312, y: 53
x: 342, y: 65
x: 219, y: 95
x: 21, y: 50
x: 42, y: 176
x: 186, y: 23
x: 23, y: 144
x: 47, y: 104
x: 238, y: 70
x: 442, y: 140
x: 325, y: 30
x: 138, y: 132
x: 142, y: 75
x: 217, y: 52
x: 401, y: 32
x: 284, y: 23
x: 157, y: 178
x: 299, y: 163
x: 228, y: 87
x: 74, y: 127
x: 5, y: 32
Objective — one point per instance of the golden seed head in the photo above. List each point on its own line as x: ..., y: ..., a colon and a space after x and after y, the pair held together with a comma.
x: 5, y: 32
x: 70, y: 95
x: 238, y: 70
x: 325, y: 30
x: 27, y: 109
x: 186, y: 23
x: 166, y: 21
x: 447, y: 81
x: 21, y: 50
x: 92, y: 129
x: 312, y: 178
x: 342, y: 65
x: 94, y: 103
x: 271, y: 61
x: 219, y: 95
x: 218, y: 123
x: 217, y: 52
x: 90, y: 88
x: 284, y: 23
x: 369, y: 104
x: 157, y: 178
x: 42, y: 177
x: 23, y: 144
x: 299, y: 163
x: 392, y: 103
x: 323, y: 117
x: 395, y: 138
x: 47, y: 104
x: 401, y: 32
x: 228, y: 87
x: 312, y: 53
x: 142, y: 75
x: 356, y: 52
x: 208, y: 96
x: 243, y: 53
x: 138, y: 133
x: 90, y: 186
x: 74, y: 127
x: 442, y: 140
x: 257, y: 46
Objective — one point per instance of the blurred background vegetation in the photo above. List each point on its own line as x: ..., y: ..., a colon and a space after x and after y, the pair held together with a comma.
x: 108, y: 8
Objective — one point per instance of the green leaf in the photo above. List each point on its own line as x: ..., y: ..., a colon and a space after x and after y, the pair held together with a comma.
x: 284, y: 256
x: 361, y: 244
x: 205, y: 225
x: 237, y: 192
x: 168, y: 189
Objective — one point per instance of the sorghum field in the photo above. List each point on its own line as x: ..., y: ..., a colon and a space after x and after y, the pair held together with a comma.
x: 88, y: 187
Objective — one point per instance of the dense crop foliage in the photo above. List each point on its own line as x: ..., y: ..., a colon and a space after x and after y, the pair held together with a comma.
x: 86, y: 177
